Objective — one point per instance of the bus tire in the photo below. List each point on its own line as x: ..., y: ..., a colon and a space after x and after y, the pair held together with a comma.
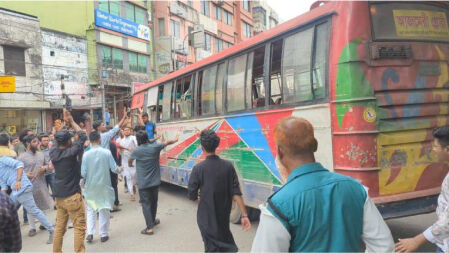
x: 236, y: 214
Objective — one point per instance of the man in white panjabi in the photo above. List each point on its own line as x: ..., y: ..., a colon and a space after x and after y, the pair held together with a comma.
x: 127, y: 144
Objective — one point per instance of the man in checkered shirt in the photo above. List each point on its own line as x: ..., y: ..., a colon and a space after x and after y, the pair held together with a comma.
x: 10, y: 236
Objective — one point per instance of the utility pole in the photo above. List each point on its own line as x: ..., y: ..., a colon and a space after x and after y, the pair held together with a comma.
x: 103, y: 102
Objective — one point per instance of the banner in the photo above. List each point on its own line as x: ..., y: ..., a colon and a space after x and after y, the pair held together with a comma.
x: 420, y: 23
x: 121, y: 25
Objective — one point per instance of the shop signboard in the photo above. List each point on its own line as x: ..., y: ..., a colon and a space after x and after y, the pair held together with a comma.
x: 121, y: 25
x: 7, y: 84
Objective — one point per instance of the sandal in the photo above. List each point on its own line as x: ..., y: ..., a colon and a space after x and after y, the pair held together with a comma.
x: 145, y: 232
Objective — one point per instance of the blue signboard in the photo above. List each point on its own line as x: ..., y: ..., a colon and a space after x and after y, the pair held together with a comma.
x: 121, y: 25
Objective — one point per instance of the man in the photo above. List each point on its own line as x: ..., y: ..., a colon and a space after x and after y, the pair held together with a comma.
x: 219, y: 186
x: 99, y: 195
x: 69, y: 202
x: 114, y: 177
x: 11, y: 174
x: 5, y: 150
x: 21, y: 146
x: 107, y: 116
x: 14, y: 143
x: 150, y: 126
x: 148, y: 176
x: 10, y: 237
x: 316, y: 210
x: 438, y: 233
x: 36, y: 164
x: 106, y: 136
x: 128, y: 143
x: 45, y: 149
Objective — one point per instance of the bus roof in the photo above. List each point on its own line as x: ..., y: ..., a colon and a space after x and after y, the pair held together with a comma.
x: 259, y: 38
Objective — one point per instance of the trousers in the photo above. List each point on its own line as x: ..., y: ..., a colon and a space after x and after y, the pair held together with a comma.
x: 73, y: 207
x: 103, y: 220
x: 26, y: 199
x: 148, y: 199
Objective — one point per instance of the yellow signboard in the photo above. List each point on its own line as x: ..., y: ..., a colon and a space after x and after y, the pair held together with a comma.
x: 418, y: 23
x: 7, y: 84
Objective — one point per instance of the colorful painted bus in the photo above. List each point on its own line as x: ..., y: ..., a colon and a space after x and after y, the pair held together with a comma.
x: 372, y: 77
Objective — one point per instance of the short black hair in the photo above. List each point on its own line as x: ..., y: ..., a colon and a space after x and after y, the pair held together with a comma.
x: 29, y: 138
x: 94, y: 136
x: 209, y: 140
x: 4, y: 140
x: 14, y: 137
x: 42, y: 135
x: 23, y: 133
x: 142, y: 137
x: 96, y: 124
x: 145, y: 114
x: 139, y: 128
x: 442, y: 135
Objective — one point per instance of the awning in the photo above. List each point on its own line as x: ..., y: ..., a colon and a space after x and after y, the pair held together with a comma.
x: 137, y: 101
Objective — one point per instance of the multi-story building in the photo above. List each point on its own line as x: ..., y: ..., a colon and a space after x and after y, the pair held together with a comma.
x: 21, y: 57
x: 264, y: 17
x: 225, y: 23
x: 118, y: 43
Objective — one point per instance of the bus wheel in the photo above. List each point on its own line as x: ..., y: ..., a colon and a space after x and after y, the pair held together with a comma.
x: 236, y: 214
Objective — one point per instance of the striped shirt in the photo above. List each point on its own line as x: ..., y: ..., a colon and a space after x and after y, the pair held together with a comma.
x: 8, y: 175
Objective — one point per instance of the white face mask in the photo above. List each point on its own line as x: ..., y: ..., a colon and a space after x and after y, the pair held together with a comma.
x: 282, y: 170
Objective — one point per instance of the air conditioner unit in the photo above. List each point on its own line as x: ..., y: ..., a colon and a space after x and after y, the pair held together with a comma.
x: 220, y: 2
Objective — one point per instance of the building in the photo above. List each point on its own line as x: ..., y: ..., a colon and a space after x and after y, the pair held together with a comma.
x: 176, y: 25
x: 118, y: 42
x: 21, y: 57
x: 264, y: 17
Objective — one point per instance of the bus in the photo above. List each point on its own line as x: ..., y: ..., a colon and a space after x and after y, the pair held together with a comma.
x: 372, y: 78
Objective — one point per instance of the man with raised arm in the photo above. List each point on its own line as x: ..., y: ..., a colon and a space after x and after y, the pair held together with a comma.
x: 106, y: 136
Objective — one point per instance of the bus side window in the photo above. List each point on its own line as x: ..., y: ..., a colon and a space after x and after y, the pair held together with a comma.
x: 296, y: 83
x: 186, y: 98
x: 207, y: 91
x: 220, y: 86
x: 319, y: 63
x: 257, y: 84
x: 177, y: 99
x: 160, y: 94
x: 275, y: 73
x: 166, y: 101
x: 235, y: 98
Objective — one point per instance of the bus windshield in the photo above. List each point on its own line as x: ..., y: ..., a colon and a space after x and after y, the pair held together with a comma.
x: 409, y: 21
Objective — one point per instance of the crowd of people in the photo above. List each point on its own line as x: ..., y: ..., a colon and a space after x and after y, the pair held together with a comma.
x: 315, y: 210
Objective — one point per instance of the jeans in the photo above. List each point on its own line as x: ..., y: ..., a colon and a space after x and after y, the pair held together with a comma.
x: 103, y: 220
x: 25, y: 215
x: 439, y: 250
x: 27, y: 200
x: 148, y: 199
x: 50, y: 179
x: 72, y: 207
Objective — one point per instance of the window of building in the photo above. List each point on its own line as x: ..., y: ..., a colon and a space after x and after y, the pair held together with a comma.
x: 235, y: 99
x: 205, y: 8
x: 161, y: 26
x: 246, y: 29
x: 112, y: 7
x: 166, y: 101
x: 228, y: 17
x: 112, y: 57
x: 190, y: 3
x: 174, y: 27
x: 14, y: 61
x: 228, y: 44
x: 137, y: 62
x: 218, y: 45
x: 217, y: 12
x: 130, y: 13
x: 206, y: 91
x: 142, y: 63
x: 246, y: 4
x: 132, y: 58
x: 296, y: 67
x: 207, y: 45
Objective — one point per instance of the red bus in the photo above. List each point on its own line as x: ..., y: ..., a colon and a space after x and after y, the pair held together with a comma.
x: 372, y: 77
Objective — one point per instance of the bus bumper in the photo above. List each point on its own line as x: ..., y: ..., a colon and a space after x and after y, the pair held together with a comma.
x: 408, y: 207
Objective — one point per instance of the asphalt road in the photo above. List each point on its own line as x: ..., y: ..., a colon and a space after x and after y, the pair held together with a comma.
x: 178, y: 230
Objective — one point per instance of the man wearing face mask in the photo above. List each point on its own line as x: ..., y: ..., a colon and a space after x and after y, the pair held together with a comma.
x: 36, y: 165
x: 316, y: 210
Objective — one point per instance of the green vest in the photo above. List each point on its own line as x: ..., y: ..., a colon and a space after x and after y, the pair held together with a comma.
x: 323, y: 211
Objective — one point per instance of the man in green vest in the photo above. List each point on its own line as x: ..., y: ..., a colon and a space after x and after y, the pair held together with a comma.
x: 316, y: 210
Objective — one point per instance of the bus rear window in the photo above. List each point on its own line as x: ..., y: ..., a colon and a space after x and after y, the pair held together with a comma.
x: 409, y: 21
